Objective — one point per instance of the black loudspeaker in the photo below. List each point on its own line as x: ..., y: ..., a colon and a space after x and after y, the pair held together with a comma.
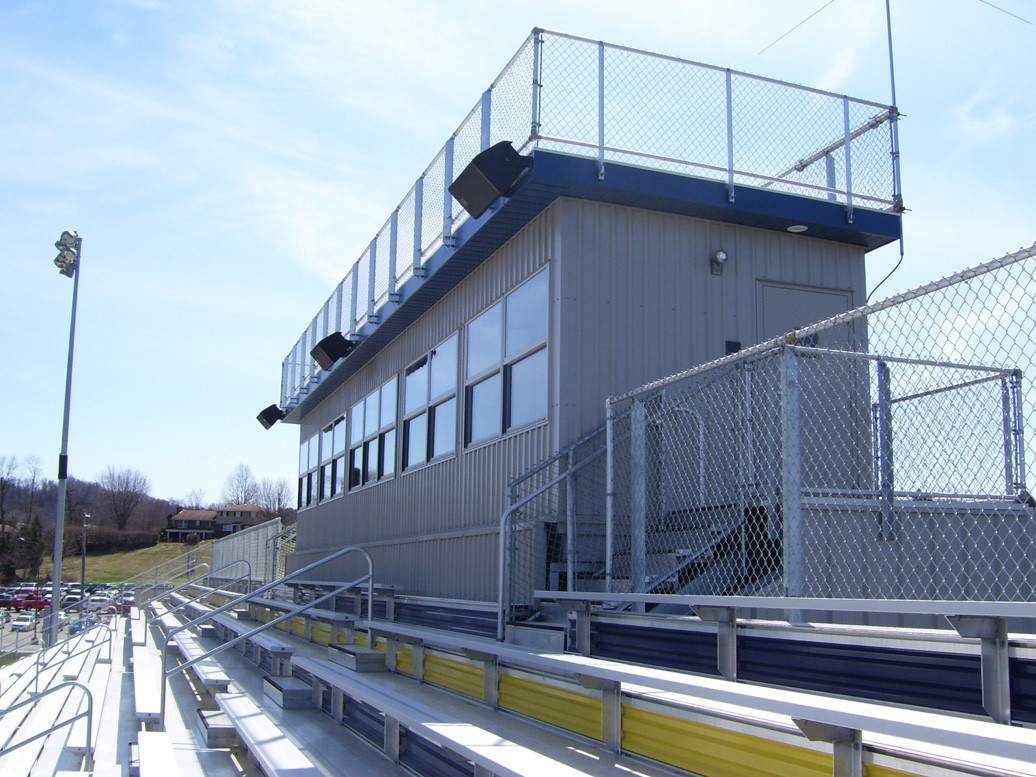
x: 331, y: 349
x: 491, y: 174
x: 270, y: 416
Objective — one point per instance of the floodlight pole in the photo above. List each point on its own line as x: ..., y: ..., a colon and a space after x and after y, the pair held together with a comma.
x: 51, y: 637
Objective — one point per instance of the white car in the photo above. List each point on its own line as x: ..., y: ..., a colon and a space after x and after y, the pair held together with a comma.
x: 98, y: 603
x: 24, y: 621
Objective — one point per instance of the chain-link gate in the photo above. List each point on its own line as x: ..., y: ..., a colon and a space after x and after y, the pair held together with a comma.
x: 879, y: 454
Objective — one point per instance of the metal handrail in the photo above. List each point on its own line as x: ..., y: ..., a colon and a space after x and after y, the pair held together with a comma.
x: 89, y: 715
x: 502, y: 566
x: 154, y: 570
x: 190, y: 582
x: 203, y: 594
x: 179, y: 572
x: 67, y: 642
x: 369, y: 577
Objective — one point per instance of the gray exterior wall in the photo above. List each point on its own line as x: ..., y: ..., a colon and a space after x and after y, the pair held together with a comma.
x: 632, y: 299
x: 638, y: 300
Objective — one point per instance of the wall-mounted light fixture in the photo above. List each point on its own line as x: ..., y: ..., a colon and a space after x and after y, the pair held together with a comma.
x: 717, y: 260
x: 332, y: 348
x: 270, y: 416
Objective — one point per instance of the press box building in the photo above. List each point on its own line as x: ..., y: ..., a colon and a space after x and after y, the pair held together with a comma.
x: 655, y: 214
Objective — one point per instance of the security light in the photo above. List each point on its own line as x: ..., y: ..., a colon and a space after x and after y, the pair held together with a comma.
x: 717, y: 260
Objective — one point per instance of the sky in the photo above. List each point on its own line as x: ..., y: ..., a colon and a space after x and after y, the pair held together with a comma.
x: 225, y: 163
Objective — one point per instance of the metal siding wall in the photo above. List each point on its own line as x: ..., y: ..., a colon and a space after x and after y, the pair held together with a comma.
x: 397, y: 520
x: 637, y: 300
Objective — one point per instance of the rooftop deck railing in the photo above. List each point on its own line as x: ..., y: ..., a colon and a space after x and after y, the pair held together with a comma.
x: 615, y: 104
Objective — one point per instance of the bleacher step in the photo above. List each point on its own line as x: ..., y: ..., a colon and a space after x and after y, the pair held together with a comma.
x: 216, y: 729
x: 289, y: 693
x: 357, y: 658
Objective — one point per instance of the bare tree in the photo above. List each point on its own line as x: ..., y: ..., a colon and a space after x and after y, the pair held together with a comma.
x: 8, y: 480
x: 275, y: 496
x: 194, y: 499
x: 124, y: 491
x: 240, y: 487
x: 31, y: 484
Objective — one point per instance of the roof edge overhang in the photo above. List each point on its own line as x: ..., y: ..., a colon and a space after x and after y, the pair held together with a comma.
x: 560, y: 175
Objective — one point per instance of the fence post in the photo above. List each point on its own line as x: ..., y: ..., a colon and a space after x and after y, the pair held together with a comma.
x: 609, y: 494
x: 638, y: 497
x: 886, y: 482
x: 570, y: 528
x: 1019, y: 436
x: 600, y: 110
x: 791, y: 476
x: 730, y: 138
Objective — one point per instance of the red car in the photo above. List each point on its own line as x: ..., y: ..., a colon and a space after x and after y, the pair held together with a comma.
x: 30, y: 602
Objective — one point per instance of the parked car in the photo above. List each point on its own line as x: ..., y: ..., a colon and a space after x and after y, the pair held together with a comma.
x: 98, y: 603
x: 81, y: 624
x: 30, y: 601
x: 24, y: 621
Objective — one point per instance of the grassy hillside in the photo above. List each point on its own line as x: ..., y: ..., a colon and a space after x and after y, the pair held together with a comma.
x: 116, y: 567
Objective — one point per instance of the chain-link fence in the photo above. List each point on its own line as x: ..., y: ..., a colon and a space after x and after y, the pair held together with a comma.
x: 882, y: 453
x: 252, y: 545
x: 619, y: 105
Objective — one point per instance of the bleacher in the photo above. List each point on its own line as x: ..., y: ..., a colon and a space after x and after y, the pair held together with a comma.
x: 304, y: 697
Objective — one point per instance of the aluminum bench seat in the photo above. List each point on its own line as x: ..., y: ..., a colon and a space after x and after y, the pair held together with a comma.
x: 276, y: 755
x: 496, y: 743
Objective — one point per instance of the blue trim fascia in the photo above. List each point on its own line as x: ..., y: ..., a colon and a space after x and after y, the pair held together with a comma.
x: 560, y: 175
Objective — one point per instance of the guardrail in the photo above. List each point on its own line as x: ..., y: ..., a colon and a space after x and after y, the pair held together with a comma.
x: 245, y: 598
x: 191, y: 582
x: 88, y: 714
x: 56, y: 648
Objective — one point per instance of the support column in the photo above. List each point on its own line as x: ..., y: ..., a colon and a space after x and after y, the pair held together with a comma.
x: 611, y: 708
x: 847, y: 745
x: 996, y: 674
x: 725, y: 619
x: 490, y: 676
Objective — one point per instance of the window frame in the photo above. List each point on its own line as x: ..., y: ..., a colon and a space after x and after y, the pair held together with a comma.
x: 363, y: 439
x: 503, y: 367
x: 429, y: 405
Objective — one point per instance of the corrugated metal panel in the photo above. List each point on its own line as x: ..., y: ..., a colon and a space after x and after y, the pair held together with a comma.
x: 405, y: 660
x: 398, y: 521
x: 637, y: 299
x: 878, y: 770
x: 454, y: 674
x: 572, y: 710
x: 923, y: 678
x: 320, y: 633
x: 431, y: 760
x: 944, y: 681
x: 1023, y: 690
x: 688, y: 651
x: 716, y: 752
